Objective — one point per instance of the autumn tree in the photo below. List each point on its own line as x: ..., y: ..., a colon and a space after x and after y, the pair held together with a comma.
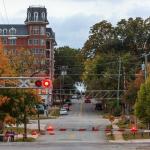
x: 142, y: 105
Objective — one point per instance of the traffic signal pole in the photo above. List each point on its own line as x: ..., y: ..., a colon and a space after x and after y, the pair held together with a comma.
x: 118, y: 90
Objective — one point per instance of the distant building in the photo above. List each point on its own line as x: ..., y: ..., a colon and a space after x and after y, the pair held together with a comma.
x: 33, y: 35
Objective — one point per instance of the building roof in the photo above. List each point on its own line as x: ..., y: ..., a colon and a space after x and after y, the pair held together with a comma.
x: 20, y: 28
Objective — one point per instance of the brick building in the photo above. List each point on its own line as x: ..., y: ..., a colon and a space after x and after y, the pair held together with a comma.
x: 32, y: 35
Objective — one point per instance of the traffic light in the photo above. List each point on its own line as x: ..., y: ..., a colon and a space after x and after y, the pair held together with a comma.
x: 46, y: 83
x: 38, y: 83
x: 133, y: 129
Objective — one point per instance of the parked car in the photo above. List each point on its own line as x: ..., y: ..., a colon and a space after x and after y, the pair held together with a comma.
x: 87, y: 101
x: 40, y: 108
x: 66, y: 106
x: 63, y: 111
x: 98, y: 106
x: 68, y: 101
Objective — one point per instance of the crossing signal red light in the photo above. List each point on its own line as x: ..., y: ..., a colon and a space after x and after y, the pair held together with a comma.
x: 133, y: 129
x: 46, y: 83
x: 38, y: 83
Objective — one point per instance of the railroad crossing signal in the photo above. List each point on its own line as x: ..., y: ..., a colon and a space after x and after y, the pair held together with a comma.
x: 24, y: 83
x: 46, y: 83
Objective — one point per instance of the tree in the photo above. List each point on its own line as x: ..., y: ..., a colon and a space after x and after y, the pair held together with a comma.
x: 100, y: 39
x: 142, y: 105
x: 23, y: 62
x: 5, y: 68
x: 69, y: 60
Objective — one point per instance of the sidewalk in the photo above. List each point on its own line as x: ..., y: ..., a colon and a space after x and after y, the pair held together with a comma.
x: 117, y: 134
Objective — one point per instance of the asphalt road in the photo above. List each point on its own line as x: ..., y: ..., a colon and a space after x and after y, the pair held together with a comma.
x: 73, y: 146
x: 81, y: 117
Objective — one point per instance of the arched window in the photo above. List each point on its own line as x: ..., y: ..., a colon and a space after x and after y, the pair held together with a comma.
x: 12, y: 31
x: 0, y: 31
x: 4, y: 31
x: 35, y: 16
x: 29, y: 16
x: 43, y: 15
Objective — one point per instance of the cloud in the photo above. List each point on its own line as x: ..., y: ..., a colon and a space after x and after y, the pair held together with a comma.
x: 73, y: 31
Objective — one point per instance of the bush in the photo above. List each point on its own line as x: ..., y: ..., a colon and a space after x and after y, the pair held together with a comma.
x: 117, y: 111
x: 54, y: 111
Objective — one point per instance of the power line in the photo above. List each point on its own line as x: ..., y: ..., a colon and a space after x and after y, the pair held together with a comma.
x: 2, y: 15
x: 5, y: 11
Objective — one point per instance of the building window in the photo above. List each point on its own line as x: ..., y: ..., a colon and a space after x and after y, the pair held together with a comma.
x: 4, y: 31
x: 42, y: 31
x: 12, y: 31
x: 35, y: 41
x: 43, y: 15
x: 35, y: 16
x: 4, y: 41
x: 30, y: 42
x: 37, y: 51
x: 0, y: 31
x: 42, y: 42
x: 12, y: 41
x: 29, y: 16
x: 35, y: 30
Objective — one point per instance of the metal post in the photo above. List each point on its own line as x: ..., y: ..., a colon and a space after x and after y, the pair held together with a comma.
x: 118, y: 91
x: 39, y: 129
x: 145, y: 66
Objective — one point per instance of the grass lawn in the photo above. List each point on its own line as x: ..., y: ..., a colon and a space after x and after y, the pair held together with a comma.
x: 29, y: 139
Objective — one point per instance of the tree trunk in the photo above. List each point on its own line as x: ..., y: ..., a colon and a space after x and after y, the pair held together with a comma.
x: 25, y: 125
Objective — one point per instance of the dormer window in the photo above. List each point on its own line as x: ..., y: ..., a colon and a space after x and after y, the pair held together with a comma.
x: 4, y: 31
x: 29, y: 16
x: 12, y: 31
x: 0, y: 31
x: 35, y: 16
x: 43, y: 15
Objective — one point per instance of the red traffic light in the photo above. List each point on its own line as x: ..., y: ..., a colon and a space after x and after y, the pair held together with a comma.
x: 46, y: 83
x: 133, y: 129
x: 38, y: 83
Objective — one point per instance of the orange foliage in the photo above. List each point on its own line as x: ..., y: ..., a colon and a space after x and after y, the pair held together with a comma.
x: 5, y: 68
x: 9, y: 120
x: 3, y: 100
x: 139, y: 80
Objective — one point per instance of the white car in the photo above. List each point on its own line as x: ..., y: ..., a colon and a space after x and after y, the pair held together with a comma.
x: 63, y: 111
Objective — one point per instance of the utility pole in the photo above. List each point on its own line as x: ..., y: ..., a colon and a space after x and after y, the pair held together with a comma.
x: 145, y: 65
x: 118, y: 90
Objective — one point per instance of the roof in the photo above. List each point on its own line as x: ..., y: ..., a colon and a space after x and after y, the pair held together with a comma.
x: 20, y: 28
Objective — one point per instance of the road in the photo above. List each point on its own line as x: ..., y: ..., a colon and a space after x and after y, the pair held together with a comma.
x: 81, y: 117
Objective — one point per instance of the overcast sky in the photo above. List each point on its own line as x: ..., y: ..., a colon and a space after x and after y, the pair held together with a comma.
x: 71, y: 19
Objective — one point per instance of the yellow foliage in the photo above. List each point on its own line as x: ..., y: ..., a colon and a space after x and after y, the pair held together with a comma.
x: 5, y: 69
x: 3, y: 100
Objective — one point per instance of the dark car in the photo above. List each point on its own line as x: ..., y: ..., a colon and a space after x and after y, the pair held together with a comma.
x: 98, y: 106
x: 87, y: 101
x: 68, y: 101
x: 40, y: 108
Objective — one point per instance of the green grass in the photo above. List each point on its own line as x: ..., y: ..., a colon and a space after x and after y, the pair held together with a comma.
x: 17, y: 130
x: 29, y: 139
x: 110, y: 136
x: 130, y: 136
